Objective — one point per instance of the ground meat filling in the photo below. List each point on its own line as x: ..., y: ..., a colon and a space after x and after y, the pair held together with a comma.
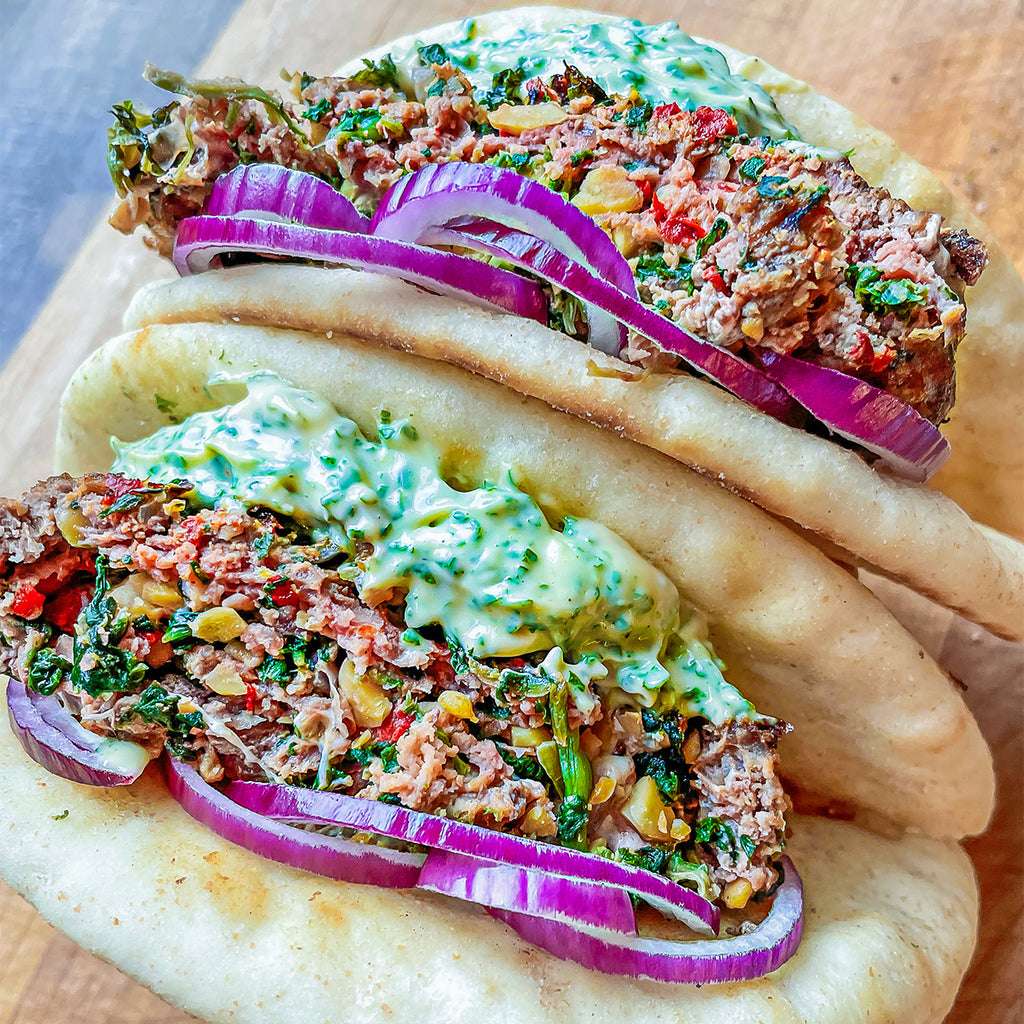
x: 745, y: 242
x: 230, y: 640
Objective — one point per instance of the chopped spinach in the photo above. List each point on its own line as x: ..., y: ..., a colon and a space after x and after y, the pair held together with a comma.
x: 46, y: 670
x: 650, y: 857
x: 179, y: 630
x: 504, y: 88
x: 111, y: 669
x: 637, y: 116
x: 898, y: 297
x: 660, y: 766
x: 378, y: 76
x: 573, y: 815
x: 525, y: 767
x: 771, y: 186
x: 717, y: 232
x: 717, y: 832
x: 752, y: 167
x: 434, y: 53
x: 319, y: 110
x: 573, y: 84
x: 653, y: 265
x: 367, y: 125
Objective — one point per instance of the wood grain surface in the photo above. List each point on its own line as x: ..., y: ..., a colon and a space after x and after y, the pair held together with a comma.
x: 941, y: 76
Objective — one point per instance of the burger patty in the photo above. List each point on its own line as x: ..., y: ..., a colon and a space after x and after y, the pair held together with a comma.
x: 745, y: 242
x: 226, y: 638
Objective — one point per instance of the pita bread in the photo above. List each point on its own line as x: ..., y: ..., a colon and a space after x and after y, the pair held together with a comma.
x: 890, y: 926
x: 877, y: 725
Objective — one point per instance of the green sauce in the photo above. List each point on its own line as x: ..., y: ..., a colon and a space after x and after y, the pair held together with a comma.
x: 661, y: 62
x: 484, y: 564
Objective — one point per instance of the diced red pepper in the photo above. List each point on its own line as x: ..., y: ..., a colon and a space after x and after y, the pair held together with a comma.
x: 666, y: 110
x: 395, y: 725
x: 250, y: 698
x: 680, y: 230
x: 65, y: 608
x: 284, y: 595
x: 28, y: 602
x: 712, y: 274
x: 118, y: 487
x: 711, y: 123
x: 880, y: 362
x: 193, y: 527
x: 646, y: 190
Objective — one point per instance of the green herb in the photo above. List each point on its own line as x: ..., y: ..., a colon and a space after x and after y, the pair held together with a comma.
x: 112, y: 670
x: 263, y: 543
x: 774, y: 187
x: 158, y: 706
x: 521, y: 684
x: 273, y: 670
x: 573, y: 815
x: 129, y: 151
x: 577, y: 775
x: 504, y: 88
x: 390, y: 798
x: 653, y: 265
x: 573, y: 84
x: 387, y: 753
x: 748, y: 846
x: 367, y: 125
x: 378, y: 76
x: 197, y: 571
x: 319, y: 110
x: 63, y: 814
x: 305, y: 81
x: 525, y: 766
x: 685, y: 872
x: 637, y: 116
x: 897, y: 297
x: 658, y: 766
x: 717, y: 832
x: 46, y: 670
x: 434, y: 53
x: 650, y: 857
x: 132, y: 499
x: 752, y: 167
x: 179, y: 630
x: 164, y: 405
x: 717, y: 232
x: 224, y: 89
x: 582, y: 156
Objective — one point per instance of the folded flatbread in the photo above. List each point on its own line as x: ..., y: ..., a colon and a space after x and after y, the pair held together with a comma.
x: 879, y: 733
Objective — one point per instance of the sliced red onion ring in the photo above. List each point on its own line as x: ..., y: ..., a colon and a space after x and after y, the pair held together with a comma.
x: 290, y: 803
x: 54, y: 739
x: 573, y: 901
x: 438, y: 193
x: 203, y: 239
x: 343, y: 859
x: 701, y: 962
x: 533, y: 254
x: 862, y: 413
x: 263, y: 190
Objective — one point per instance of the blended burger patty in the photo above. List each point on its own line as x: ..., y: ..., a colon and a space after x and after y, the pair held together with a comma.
x: 746, y: 242
x: 222, y: 637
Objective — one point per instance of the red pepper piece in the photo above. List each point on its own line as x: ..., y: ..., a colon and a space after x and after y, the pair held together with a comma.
x: 65, y: 608
x: 880, y: 362
x: 681, y: 230
x: 395, y: 725
x: 250, y: 698
x: 284, y: 595
x: 711, y: 123
x: 712, y: 275
x: 28, y: 602
x: 118, y: 487
x: 666, y: 110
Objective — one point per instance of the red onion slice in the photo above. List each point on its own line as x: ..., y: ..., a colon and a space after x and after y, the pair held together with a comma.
x: 52, y: 737
x: 862, y: 413
x: 573, y: 901
x: 342, y: 859
x: 286, y: 195
x: 289, y: 803
x: 203, y: 239
x: 535, y: 255
x: 742, y: 958
x: 438, y: 193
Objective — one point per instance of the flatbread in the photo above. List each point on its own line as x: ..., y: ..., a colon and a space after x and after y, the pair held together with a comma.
x: 890, y: 926
x: 878, y: 727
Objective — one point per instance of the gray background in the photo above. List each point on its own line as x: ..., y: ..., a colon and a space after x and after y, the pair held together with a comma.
x: 62, y: 66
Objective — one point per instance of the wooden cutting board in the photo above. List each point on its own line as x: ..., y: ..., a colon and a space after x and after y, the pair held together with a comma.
x: 941, y: 76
